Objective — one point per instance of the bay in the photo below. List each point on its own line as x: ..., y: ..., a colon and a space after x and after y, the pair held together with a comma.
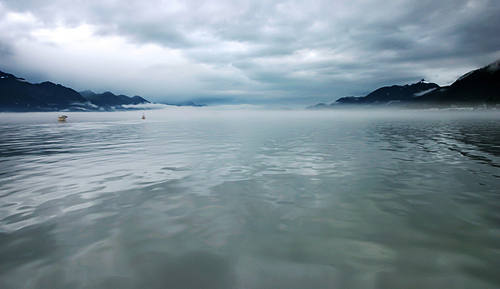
x: 214, y: 198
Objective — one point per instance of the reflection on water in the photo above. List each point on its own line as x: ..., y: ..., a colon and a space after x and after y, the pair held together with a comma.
x: 218, y: 199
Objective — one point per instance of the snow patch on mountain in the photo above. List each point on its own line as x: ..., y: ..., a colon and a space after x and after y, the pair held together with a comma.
x: 423, y: 92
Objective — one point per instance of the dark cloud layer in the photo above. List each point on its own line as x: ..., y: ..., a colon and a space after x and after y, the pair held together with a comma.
x: 248, y: 51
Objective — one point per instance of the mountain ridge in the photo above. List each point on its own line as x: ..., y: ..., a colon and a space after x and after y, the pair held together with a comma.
x: 108, y: 100
x: 19, y: 95
x: 476, y: 88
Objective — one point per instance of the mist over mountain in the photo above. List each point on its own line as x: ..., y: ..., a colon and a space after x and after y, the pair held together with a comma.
x: 479, y: 87
x: 108, y: 100
x: 19, y: 95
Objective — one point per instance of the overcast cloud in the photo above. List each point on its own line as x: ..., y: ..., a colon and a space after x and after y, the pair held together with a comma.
x: 273, y: 52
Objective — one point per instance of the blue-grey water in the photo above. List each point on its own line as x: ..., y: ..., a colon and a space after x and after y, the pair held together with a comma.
x: 207, y: 198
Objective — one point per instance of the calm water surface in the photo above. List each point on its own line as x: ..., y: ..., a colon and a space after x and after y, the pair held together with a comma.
x: 205, y: 198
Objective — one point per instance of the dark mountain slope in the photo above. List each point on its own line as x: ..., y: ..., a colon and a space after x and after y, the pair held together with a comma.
x: 478, y: 86
x: 399, y: 93
x: 16, y: 94
x: 395, y: 93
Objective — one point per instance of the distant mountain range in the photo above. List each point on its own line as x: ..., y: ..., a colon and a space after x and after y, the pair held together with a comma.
x: 478, y: 88
x: 109, y: 101
x: 19, y: 95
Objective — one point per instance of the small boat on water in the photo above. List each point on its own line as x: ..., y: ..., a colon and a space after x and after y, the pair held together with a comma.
x: 62, y: 118
x: 143, y: 117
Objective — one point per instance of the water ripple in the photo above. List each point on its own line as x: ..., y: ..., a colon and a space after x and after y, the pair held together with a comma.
x: 256, y: 199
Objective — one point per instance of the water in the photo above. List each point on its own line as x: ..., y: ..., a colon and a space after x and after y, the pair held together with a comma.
x: 206, y: 198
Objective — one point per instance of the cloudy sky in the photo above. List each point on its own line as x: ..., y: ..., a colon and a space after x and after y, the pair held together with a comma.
x: 260, y: 52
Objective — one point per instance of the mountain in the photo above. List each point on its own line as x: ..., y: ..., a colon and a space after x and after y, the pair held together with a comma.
x: 16, y: 94
x: 387, y: 95
x: 480, y: 87
x: 110, y: 101
x: 395, y: 93
x: 476, y: 87
x: 19, y: 95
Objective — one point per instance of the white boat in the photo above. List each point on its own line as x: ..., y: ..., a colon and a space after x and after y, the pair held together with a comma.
x: 62, y: 118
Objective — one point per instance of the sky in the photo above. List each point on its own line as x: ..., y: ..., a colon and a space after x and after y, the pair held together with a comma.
x: 246, y: 52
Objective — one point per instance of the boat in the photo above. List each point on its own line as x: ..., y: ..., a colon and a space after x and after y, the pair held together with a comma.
x: 62, y: 118
x: 143, y: 117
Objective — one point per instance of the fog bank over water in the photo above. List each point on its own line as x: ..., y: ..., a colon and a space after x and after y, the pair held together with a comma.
x: 217, y: 198
x: 159, y: 112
